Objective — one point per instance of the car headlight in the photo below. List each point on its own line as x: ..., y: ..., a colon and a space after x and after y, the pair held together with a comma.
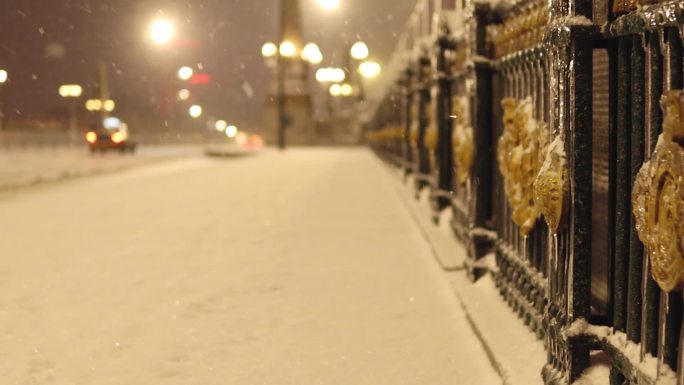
x: 91, y: 137
x: 117, y: 137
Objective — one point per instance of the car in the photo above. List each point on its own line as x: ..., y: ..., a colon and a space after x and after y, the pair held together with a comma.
x: 113, y: 134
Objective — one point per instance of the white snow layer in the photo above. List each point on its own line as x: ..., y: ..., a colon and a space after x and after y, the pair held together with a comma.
x: 301, y: 267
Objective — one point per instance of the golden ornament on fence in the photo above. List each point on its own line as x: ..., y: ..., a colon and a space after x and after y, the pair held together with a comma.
x: 551, y: 188
x: 431, y: 130
x: 520, y: 155
x: 658, y: 198
x: 463, y: 142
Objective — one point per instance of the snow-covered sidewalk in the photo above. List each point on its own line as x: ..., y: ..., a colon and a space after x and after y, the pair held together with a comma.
x: 304, y: 267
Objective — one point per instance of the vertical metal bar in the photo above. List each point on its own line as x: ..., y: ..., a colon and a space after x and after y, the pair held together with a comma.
x: 636, y: 248
x: 444, y: 122
x: 650, y: 291
x: 622, y: 184
x: 580, y: 86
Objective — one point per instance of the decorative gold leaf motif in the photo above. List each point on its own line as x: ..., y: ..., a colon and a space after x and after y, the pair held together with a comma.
x: 463, y: 143
x: 523, y: 30
x: 520, y: 150
x: 658, y: 198
x: 431, y: 130
x: 551, y: 187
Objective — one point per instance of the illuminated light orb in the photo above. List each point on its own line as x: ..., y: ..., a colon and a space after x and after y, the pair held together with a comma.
x: 288, y: 49
x: 312, y: 53
x: 3, y: 76
x: 91, y: 137
x: 329, y: 4
x: 241, y: 138
x: 370, y: 69
x: 335, y: 90
x: 346, y: 89
x: 70, y: 90
x: 231, y: 131
x: 161, y: 31
x: 109, y: 105
x: 221, y: 125
x: 269, y: 50
x: 330, y: 75
x: 183, y: 94
x: 117, y: 137
x: 359, y: 50
x: 185, y: 73
x: 195, y: 111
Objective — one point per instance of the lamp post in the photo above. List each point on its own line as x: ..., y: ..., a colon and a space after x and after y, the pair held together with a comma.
x: 284, y: 51
x: 3, y: 79
x: 71, y: 92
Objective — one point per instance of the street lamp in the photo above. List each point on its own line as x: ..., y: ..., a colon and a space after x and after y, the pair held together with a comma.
x: 183, y: 94
x: 185, y: 73
x: 369, y: 69
x: 330, y: 75
x: 93, y: 105
x: 231, y: 131
x: 71, y: 92
x: 221, y: 125
x: 287, y: 49
x: 269, y: 50
x: 195, y: 111
x: 282, y: 53
x: 284, y: 50
x: 3, y: 80
x: 162, y: 31
x: 359, y: 51
x: 312, y: 53
x: 329, y: 4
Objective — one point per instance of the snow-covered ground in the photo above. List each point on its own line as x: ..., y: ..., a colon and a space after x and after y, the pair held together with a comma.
x: 24, y: 167
x: 304, y: 267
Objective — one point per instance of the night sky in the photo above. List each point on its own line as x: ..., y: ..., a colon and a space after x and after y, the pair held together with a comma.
x: 45, y: 43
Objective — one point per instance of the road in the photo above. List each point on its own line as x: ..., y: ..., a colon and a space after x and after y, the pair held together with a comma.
x: 23, y: 167
x: 295, y: 268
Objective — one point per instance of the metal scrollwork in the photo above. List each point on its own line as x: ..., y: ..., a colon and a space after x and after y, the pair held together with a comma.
x: 658, y: 198
x: 551, y: 188
x: 463, y: 143
x: 520, y: 154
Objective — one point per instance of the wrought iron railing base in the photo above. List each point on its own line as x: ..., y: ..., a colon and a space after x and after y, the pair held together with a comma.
x: 523, y: 288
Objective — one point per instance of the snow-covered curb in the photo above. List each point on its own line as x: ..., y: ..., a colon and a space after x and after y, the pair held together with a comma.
x: 514, y: 351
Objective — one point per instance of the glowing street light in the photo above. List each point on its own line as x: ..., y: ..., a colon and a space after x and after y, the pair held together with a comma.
x: 370, y: 69
x: 329, y: 4
x: 183, y: 94
x: 161, y: 31
x: 359, y: 51
x: 335, y: 90
x: 288, y: 49
x: 312, y: 53
x: 195, y: 111
x: 269, y: 50
x: 221, y: 125
x: 70, y: 91
x: 346, y: 89
x: 98, y: 105
x: 3, y: 76
x: 185, y: 73
x: 109, y: 105
x: 231, y: 131
x: 330, y: 75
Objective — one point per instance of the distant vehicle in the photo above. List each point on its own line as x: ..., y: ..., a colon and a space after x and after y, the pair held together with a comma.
x: 112, y: 134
